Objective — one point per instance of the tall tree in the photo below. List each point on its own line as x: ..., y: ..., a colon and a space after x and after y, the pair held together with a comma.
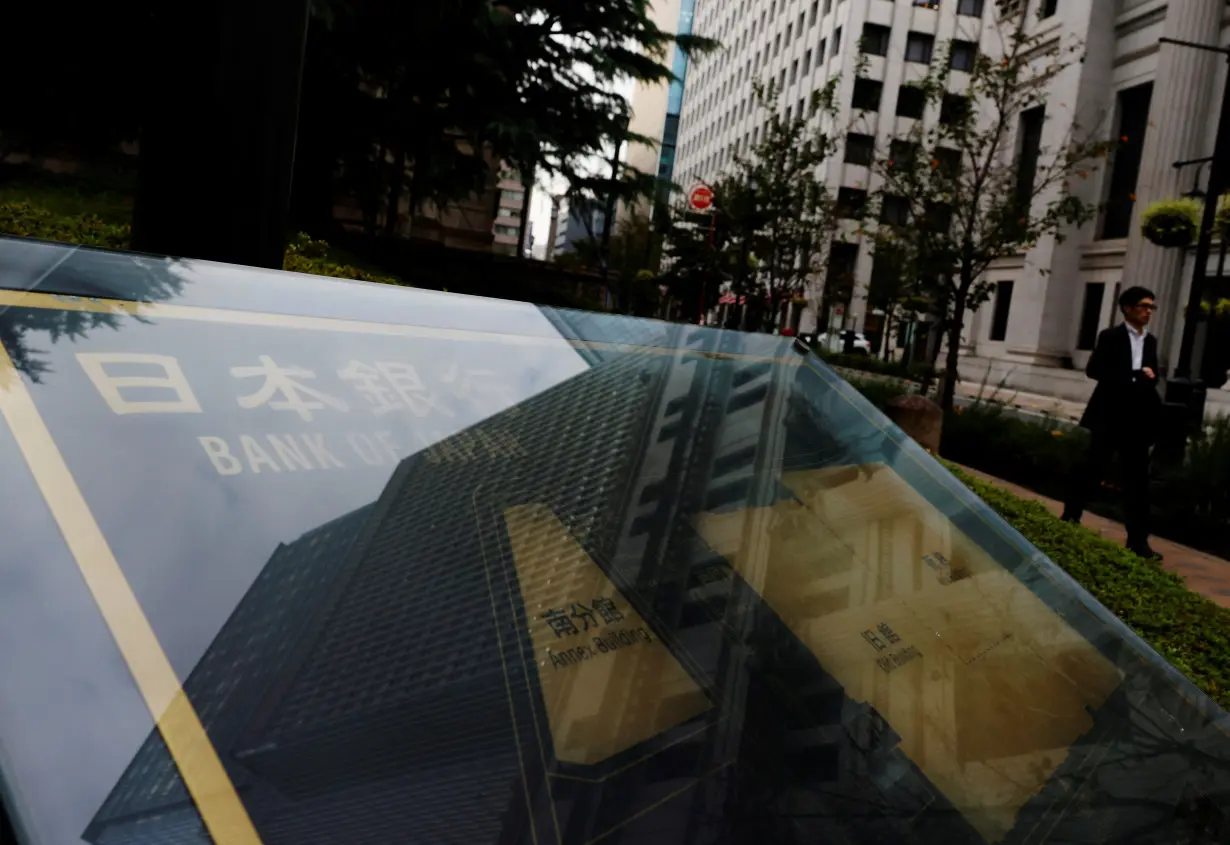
x: 632, y: 258
x: 773, y: 218
x: 792, y: 215
x: 974, y: 182
x: 442, y: 93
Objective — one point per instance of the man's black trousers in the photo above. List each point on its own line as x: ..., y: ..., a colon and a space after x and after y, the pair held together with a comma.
x: 1089, y: 474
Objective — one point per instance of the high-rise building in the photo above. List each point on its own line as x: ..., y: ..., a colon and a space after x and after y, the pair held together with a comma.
x: 579, y: 219
x: 656, y: 106
x: 510, y: 208
x: 1039, y: 327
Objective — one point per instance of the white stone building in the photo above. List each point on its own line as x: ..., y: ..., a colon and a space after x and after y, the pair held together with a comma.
x: 1038, y: 330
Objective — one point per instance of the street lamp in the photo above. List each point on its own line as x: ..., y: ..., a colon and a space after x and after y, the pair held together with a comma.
x: 1185, y: 392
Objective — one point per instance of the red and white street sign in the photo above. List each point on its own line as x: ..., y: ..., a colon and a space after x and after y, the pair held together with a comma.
x: 700, y: 198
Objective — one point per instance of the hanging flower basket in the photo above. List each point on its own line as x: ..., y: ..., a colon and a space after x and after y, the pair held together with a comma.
x: 1221, y: 223
x: 1172, y: 223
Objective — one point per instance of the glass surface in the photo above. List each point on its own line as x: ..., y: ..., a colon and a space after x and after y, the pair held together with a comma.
x: 293, y: 560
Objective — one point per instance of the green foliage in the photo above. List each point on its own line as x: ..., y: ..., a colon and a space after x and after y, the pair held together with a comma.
x: 1188, y: 630
x: 1172, y: 223
x: 630, y: 258
x: 919, y: 371
x: 28, y: 220
x: 531, y: 84
x: 953, y: 196
x: 305, y: 255
x: 1038, y: 455
x: 775, y: 217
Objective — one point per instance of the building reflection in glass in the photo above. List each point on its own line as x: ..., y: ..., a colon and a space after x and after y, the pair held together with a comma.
x: 683, y: 597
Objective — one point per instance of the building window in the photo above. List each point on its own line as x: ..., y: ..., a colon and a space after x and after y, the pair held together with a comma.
x: 1091, y: 316
x: 509, y: 231
x: 781, y: 80
x: 851, y: 203
x: 973, y: 8
x: 860, y: 149
x: 828, y: 6
x: 867, y: 93
x: 1133, y: 108
x: 815, y: 12
x: 820, y: 51
x: 789, y: 29
x: 948, y: 162
x: 953, y: 109
x: 839, y: 280
x: 798, y: 30
x: 1003, y: 305
x: 875, y: 39
x: 794, y: 71
x: 895, y: 211
x: 902, y: 153
x: 1027, y: 158
x: 911, y: 100
x: 938, y: 217
x: 777, y: 45
x: 806, y: 62
x: 927, y: 4
x: 1049, y: 7
x: 837, y: 41
x: 919, y: 46
x: 963, y: 55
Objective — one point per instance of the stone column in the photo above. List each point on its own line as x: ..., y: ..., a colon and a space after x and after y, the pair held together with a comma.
x: 1179, y: 119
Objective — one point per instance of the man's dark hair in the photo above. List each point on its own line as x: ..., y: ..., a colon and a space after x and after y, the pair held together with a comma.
x: 1133, y: 296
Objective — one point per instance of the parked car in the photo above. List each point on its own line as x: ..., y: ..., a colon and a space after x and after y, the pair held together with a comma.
x: 847, y: 341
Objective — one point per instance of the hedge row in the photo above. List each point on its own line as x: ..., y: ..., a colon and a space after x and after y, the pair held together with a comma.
x: 30, y: 220
x: 1184, y: 627
x: 1191, y: 500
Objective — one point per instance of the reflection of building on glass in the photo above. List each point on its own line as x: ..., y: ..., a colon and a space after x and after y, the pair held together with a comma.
x: 382, y: 680
x: 150, y: 804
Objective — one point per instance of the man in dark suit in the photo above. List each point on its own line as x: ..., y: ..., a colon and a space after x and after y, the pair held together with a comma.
x: 1123, y: 417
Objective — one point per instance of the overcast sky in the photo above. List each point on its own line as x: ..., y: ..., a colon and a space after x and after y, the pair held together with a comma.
x: 540, y: 201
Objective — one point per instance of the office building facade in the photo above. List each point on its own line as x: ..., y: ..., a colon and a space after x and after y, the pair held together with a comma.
x: 1038, y: 330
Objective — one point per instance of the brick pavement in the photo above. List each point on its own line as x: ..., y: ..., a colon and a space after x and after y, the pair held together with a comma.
x: 1207, y: 575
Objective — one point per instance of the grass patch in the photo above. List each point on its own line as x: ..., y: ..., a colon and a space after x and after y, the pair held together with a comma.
x: 1188, y: 630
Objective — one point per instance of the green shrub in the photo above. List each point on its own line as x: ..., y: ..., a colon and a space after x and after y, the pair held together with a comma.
x: 1187, y: 629
x: 1192, y: 500
x: 26, y: 220
x: 871, y: 364
x: 1037, y: 455
x: 305, y: 255
x: 877, y: 393
x: 30, y: 220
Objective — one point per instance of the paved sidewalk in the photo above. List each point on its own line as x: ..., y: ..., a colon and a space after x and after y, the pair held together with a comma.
x: 1207, y: 575
x: 1051, y: 406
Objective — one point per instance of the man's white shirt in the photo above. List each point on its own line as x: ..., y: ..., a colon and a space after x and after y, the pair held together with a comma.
x: 1137, y: 339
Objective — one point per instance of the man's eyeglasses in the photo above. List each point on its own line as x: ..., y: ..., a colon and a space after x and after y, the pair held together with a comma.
x: 1145, y: 306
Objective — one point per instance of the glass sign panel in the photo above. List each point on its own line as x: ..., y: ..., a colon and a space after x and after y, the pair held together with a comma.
x: 293, y: 560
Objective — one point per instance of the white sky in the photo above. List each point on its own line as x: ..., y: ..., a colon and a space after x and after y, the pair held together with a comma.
x: 540, y: 198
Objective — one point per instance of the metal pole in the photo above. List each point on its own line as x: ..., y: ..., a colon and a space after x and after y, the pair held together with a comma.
x: 700, y: 317
x: 1217, y: 181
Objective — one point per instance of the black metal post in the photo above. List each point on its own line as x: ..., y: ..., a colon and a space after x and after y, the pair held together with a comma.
x: 1185, y: 392
x: 219, y: 129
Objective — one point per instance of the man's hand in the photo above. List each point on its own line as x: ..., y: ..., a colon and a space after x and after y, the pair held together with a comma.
x: 1149, y: 374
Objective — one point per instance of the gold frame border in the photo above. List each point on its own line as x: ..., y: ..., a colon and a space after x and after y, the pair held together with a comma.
x: 194, y: 755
